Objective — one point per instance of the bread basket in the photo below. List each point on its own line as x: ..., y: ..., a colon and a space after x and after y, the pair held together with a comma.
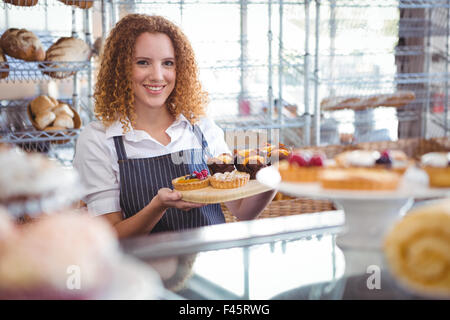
x: 56, y: 133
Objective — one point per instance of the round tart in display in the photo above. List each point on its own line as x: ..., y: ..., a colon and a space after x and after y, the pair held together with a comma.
x: 301, y: 166
x: 417, y: 250
x: 437, y: 167
x: 392, y: 160
x: 229, y: 180
x: 358, y: 179
x: 194, y: 181
x: 251, y: 163
x: 222, y: 163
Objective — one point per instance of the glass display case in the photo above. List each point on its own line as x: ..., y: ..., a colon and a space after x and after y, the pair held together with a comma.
x: 293, y: 257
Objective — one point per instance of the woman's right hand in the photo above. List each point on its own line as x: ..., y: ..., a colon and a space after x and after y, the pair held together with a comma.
x: 169, y: 198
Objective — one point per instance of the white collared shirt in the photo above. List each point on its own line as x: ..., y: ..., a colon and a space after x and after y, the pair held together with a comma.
x: 96, y: 157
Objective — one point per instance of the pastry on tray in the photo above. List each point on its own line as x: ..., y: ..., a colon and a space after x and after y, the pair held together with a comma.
x: 301, y: 166
x: 194, y: 181
x: 417, y: 250
x: 222, y: 163
x: 437, y: 166
x: 251, y: 163
x: 392, y: 160
x: 275, y: 153
x: 359, y: 179
x: 229, y: 180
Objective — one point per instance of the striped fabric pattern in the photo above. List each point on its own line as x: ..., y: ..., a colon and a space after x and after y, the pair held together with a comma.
x: 140, y: 180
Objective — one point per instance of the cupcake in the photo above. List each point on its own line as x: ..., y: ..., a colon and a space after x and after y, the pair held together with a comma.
x: 38, y: 259
x: 30, y: 183
x: 229, y: 180
x: 275, y: 153
x: 437, y: 167
x: 251, y: 163
x: 222, y: 163
x: 301, y: 166
x: 193, y: 181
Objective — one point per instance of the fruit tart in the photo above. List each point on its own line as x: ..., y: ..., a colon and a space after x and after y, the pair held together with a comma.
x: 391, y: 160
x: 302, y: 166
x: 194, y: 181
x: 222, y: 163
x: 437, y: 167
x: 359, y: 179
x: 229, y: 180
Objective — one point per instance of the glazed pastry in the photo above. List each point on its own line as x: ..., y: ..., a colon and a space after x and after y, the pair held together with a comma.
x: 417, y: 250
x: 251, y: 163
x: 358, y: 179
x: 437, y: 167
x: 222, y: 163
x: 194, y: 181
x: 301, y: 166
x: 229, y: 180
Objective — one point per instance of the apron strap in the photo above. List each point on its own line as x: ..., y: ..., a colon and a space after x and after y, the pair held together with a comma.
x: 201, y: 138
x: 120, y: 148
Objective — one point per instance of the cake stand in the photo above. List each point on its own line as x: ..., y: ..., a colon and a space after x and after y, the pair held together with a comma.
x: 368, y: 214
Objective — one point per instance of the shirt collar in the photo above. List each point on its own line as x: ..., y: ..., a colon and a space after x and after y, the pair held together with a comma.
x: 116, y: 129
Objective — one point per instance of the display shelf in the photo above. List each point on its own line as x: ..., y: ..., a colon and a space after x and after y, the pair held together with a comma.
x: 406, y: 4
x: 16, y: 127
x: 249, y: 122
x: 43, y: 4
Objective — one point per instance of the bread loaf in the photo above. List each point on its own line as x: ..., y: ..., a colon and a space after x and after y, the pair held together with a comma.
x: 54, y: 128
x: 22, y: 3
x: 41, y: 104
x: 78, y: 3
x: 66, y: 49
x: 63, y: 108
x: 44, y: 119
x: 22, y: 44
x: 3, y: 65
x: 64, y: 120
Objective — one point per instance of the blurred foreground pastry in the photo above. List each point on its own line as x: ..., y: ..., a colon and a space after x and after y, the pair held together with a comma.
x: 437, y: 166
x: 417, y: 250
x: 38, y: 259
x: 29, y: 180
x: 359, y: 179
x: 302, y: 166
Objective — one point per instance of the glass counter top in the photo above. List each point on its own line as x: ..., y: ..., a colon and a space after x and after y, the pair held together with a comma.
x: 293, y: 257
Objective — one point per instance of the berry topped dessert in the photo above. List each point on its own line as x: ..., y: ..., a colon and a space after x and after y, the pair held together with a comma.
x: 393, y: 160
x: 437, y: 166
x: 196, y: 180
x: 222, y: 163
x: 302, y: 166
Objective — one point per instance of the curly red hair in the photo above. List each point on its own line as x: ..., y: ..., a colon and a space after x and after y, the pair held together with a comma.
x: 114, y: 96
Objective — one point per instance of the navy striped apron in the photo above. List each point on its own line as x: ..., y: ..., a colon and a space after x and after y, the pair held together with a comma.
x: 140, y: 180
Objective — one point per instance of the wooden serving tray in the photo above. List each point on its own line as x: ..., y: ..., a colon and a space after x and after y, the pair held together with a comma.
x: 213, y: 195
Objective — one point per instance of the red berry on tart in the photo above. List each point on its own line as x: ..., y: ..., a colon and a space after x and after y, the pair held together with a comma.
x: 301, y: 166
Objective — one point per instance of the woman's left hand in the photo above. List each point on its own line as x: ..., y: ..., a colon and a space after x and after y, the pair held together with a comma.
x: 172, y: 199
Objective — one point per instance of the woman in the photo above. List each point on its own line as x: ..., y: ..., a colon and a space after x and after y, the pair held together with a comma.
x: 150, y: 105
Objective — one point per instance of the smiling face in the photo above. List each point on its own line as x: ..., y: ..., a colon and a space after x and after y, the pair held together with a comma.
x: 153, y: 71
